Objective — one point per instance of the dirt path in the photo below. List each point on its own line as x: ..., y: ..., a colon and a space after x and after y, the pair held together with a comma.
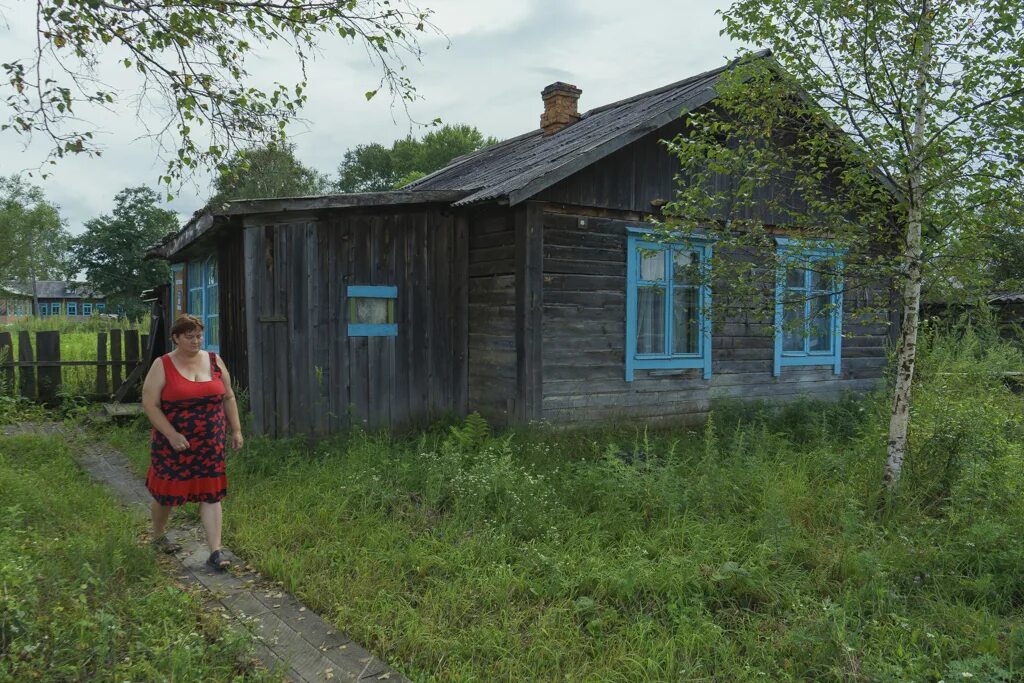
x: 289, y: 637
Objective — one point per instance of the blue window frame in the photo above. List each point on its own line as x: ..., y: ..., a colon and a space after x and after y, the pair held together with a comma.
x: 211, y: 303
x: 55, y: 308
x: 371, y: 311
x: 202, y: 296
x: 86, y: 309
x: 100, y: 308
x: 73, y: 308
x: 668, y: 303
x: 808, y: 306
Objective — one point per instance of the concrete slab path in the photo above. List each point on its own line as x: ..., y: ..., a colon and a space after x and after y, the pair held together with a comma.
x: 289, y: 637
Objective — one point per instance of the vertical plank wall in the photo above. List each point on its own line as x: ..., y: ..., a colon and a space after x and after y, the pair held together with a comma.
x: 584, y: 341
x: 233, y: 332
x: 307, y: 376
x: 492, y: 314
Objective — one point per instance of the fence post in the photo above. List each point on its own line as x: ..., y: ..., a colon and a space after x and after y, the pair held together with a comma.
x: 26, y: 367
x: 144, y: 343
x: 6, y: 363
x: 115, y: 360
x: 48, y: 350
x: 131, y: 351
x: 101, y: 365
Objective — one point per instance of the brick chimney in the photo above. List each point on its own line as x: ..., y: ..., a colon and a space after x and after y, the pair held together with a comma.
x: 559, y: 107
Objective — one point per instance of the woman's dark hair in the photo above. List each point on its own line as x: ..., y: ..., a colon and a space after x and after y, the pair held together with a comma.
x: 184, y: 324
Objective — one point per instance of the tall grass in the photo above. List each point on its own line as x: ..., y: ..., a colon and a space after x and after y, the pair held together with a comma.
x: 757, y: 548
x: 80, y: 598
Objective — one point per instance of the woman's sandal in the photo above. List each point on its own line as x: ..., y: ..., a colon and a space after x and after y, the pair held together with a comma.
x: 218, y: 561
x: 165, y: 545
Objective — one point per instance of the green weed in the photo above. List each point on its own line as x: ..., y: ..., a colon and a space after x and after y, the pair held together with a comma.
x: 755, y: 549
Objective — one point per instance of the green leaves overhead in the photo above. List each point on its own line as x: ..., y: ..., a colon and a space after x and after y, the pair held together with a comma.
x: 193, y: 60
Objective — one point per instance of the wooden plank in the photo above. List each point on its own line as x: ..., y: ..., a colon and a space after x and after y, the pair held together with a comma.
x: 6, y: 363
x: 279, y: 354
x: 131, y: 350
x: 400, y: 349
x: 101, y: 365
x: 257, y: 391
x: 48, y: 349
x: 529, y: 310
x: 115, y: 359
x: 460, y: 319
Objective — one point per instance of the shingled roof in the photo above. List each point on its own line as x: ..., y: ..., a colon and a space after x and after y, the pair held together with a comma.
x: 522, y: 166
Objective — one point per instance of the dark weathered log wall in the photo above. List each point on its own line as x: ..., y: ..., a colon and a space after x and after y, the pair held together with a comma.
x: 307, y: 376
x: 584, y: 339
x: 631, y: 178
x: 233, y: 333
x: 492, y: 314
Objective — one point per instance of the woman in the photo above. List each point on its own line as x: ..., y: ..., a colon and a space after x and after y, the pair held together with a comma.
x: 186, y: 395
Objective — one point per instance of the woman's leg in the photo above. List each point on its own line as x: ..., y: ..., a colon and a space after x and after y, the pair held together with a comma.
x: 211, y: 515
x: 160, y: 514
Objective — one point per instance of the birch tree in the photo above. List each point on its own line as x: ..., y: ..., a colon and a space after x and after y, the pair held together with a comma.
x: 886, y: 131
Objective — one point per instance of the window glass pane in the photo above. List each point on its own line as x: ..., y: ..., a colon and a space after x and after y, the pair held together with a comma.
x: 821, y: 324
x: 652, y: 263
x: 195, y: 302
x: 371, y: 311
x: 793, y: 326
x: 685, y: 320
x: 650, y: 318
x: 685, y: 265
x: 821, y: 277
x: 795, y: 277
x: 213, y: 331
x: 212, y: 300
x: 211, y: 273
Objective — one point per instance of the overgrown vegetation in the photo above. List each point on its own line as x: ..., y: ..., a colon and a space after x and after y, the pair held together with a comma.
x: 756, y: 549
x: 80, y: 598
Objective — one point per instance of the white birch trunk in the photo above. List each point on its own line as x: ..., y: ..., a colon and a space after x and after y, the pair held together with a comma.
x: 899, y: 419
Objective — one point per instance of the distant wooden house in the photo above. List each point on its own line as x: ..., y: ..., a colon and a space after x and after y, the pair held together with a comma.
x: 519, y: 281
x: 54, y: 298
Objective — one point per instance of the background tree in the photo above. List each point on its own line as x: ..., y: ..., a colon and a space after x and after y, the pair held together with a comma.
x: 375, y: 168
x: 110, y: 250
x: 927, y: 98
x: 267, y: 172
x: 33, y: 235
x: 191, y: 59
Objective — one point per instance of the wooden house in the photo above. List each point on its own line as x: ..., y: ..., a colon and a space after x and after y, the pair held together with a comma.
x: 47, y: 298
x: 516, y: 282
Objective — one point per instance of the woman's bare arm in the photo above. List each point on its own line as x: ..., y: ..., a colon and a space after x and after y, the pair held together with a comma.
x: 231, y: 405
x: 151, y: 388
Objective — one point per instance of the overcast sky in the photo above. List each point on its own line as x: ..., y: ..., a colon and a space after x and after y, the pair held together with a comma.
x: 501, y: 55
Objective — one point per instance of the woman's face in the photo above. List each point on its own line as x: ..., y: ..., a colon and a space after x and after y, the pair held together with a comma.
x: 190, y: 341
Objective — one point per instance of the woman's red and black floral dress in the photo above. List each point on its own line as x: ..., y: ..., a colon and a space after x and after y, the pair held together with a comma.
x: 196, y: 411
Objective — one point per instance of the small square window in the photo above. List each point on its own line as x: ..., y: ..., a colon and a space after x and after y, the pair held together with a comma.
x: 371, y: 311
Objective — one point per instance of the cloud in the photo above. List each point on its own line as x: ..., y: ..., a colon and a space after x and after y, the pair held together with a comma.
x: 488, y: 71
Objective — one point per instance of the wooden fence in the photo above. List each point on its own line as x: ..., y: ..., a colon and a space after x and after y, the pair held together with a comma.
x: 37, y: 374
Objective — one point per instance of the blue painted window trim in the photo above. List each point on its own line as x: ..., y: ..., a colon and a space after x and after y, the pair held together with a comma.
x: 73, y: 308
x: 86, y: 309
x: 794, y: 249
x: 372, y: 292
x: 55, y: 308
x: 210, y: 264
x: 645, y: 238
x: 101, y: 307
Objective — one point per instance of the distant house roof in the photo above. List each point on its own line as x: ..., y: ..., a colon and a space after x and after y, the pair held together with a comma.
x: 52, y: 289
x: 515, y: 169
x: 1007, y: 298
